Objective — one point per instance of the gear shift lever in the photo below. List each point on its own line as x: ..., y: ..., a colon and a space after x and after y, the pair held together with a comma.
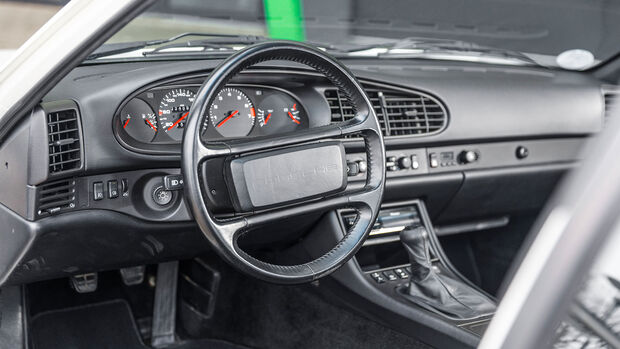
x: 438, y: 292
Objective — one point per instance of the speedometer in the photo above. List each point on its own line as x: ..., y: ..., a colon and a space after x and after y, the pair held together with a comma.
x: 232, y: 113
x: 173, y: 110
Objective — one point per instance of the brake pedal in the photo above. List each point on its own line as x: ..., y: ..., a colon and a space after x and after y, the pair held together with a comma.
x: 133, y: 275
x: 84, y: 283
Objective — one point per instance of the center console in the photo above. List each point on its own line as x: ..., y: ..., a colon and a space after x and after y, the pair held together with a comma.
x: 390, y: 274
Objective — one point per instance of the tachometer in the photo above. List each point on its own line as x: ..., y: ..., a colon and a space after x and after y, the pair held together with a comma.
x: 173, y: 110
x: 232, y: 113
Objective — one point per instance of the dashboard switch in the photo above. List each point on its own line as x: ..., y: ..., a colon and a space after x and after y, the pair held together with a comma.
x: 124, y: 187
x: 353, y: 169
x: 415, y: 164
x: 173, y: 182
x: 522, y: 152
x: 363, y: 166
x: 468, y: 157
x: 433, y: 160
x: 404, y: 162
x: 112, y: 189
x: 98, y: 191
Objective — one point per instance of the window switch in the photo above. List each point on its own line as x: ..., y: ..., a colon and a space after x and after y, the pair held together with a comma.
x: 112, y: 189
x: 98, y: 191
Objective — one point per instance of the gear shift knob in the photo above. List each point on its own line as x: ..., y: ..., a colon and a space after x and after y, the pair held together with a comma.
x: 416, y: 244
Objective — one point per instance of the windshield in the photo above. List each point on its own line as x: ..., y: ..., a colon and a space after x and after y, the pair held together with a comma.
x: 571, y: 34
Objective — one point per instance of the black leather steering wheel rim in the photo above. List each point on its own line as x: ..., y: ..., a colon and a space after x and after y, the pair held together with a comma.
x: 223, y: 234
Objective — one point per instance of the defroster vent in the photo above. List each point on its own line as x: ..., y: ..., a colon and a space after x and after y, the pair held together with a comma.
x: 64, y: 141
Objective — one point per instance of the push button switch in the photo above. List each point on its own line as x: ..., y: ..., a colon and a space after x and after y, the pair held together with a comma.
x: 401, y: 273
x: 390, y: 275
x: 378, y: 277
x: 98, y: 191
x: 112, y: 189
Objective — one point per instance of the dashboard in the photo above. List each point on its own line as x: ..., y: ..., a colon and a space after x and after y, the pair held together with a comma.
x: 469, y: 140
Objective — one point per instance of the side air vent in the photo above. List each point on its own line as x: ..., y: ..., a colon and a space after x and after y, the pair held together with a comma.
x: 63, y: 132
x: 55, y: 197
x: 400, y: 113
x: 611, y: 98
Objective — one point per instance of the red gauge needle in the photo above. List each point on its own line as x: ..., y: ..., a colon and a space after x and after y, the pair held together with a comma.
x: 150, y: 124
x: 293, y: 118
x: 177, y: 122
x: 227, y: 118
x: 267, y: 118
x: 126, y: 123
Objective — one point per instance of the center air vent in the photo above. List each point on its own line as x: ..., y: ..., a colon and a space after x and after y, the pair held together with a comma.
x: 63, y: 141
x: 400, y: 113
x: 56, y: 197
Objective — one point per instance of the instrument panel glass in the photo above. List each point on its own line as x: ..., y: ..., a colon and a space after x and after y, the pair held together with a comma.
x: 236, y: 111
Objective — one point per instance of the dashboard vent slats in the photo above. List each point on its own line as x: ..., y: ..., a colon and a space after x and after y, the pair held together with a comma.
x: 610, y: 98
x: 55, y: 197
x: 63, y: 141
x: 400, y: 113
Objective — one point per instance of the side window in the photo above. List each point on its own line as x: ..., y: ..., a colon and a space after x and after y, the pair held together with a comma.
x: 20, y: 19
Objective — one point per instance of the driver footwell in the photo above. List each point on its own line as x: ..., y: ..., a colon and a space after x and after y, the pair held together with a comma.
x: 248, y: 313
x: 106, y: 325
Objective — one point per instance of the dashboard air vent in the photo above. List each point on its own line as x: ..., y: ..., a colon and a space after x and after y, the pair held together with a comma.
x: 64, y: 141
x: 400, y: 113
x: 55, y: 197
x: 611, y: 98
x: 413, y: 114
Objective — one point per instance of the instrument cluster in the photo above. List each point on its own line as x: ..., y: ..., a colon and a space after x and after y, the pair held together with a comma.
x: 158, y: 115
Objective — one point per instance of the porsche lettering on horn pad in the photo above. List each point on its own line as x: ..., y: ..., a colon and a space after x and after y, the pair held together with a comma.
x: 288, y: 175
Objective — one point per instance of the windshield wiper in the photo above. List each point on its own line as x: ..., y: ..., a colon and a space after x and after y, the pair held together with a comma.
x: 215, y: 43
x: 124, y: 47
x: 417, y: 47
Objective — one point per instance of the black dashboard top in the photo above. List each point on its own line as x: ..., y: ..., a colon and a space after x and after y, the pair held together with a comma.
x: 516, y: 102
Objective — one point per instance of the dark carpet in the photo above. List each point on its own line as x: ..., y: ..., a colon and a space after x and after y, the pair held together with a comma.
x: 107, y: 325
x: 262, y: 315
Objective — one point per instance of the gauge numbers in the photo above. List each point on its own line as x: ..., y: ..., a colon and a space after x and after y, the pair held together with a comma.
x: 173, y: 111
x: 231, y: 113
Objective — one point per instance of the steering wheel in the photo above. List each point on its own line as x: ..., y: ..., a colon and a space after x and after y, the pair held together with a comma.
x: 276, y: 177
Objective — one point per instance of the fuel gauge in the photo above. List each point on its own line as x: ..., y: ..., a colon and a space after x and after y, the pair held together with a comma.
x: 139, y: 121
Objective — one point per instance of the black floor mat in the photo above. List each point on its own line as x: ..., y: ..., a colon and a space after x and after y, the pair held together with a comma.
x: 266, y: 316
x: 107, y: 325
